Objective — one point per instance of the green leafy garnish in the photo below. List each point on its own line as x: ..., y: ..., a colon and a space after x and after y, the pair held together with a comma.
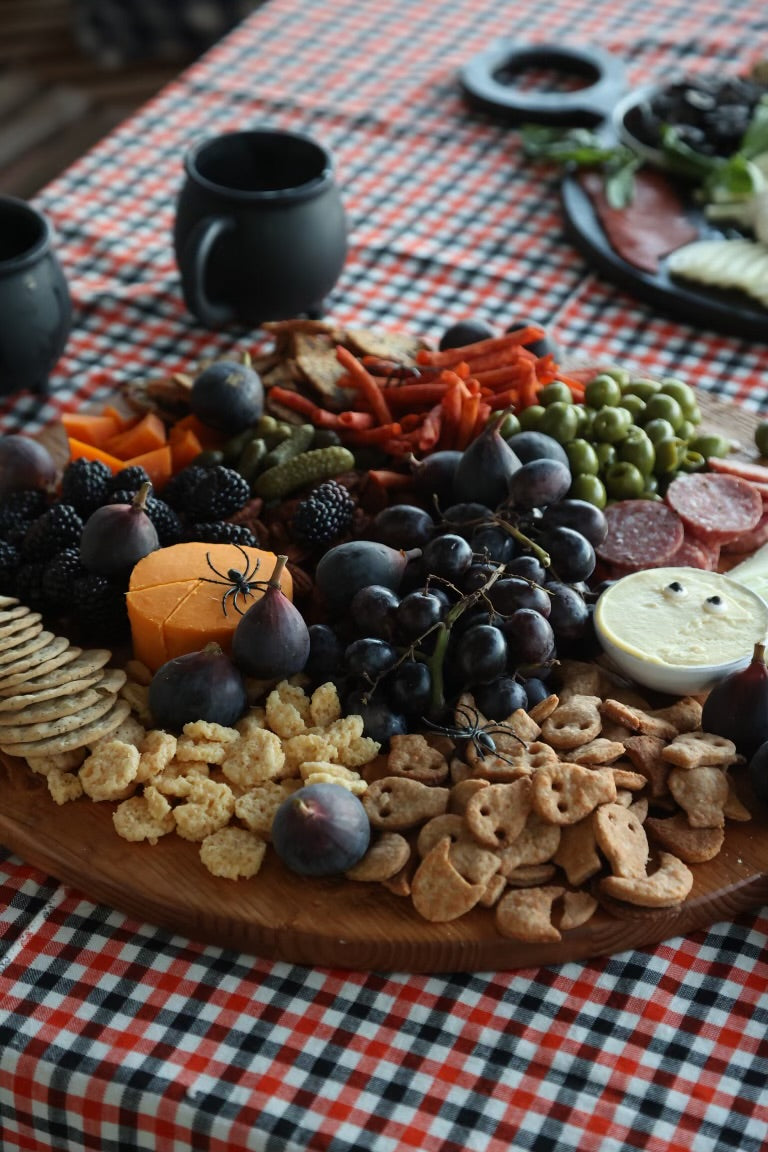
x: 581, y: 148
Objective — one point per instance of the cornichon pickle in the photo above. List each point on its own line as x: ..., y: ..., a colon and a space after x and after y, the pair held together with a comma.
x: 252, y: 459
x: 209, y: 458
x: 236, y: 445
x: 317, y: 464
x: 325, y: 438
x: 299, y: 441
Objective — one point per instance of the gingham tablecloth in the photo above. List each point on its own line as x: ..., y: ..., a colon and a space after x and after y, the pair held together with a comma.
x: 115, y: 1035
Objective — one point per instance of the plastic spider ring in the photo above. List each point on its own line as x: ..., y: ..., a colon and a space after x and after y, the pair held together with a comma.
x: 489, y: 82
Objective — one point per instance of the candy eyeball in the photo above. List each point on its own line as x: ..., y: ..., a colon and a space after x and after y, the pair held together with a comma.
x: 676, y: 591
x: 716, y: 605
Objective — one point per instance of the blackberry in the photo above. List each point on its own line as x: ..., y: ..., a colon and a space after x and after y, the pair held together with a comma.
x: 60, y: 527
x: 17, y: 512
x: 181, y: 487
x: 100, y: 606
x: 9, y: 562
x: 128, y: 479
x: 59, y: 578
x: 84, y: 485
x: 165, y: 520
x: 222, y: 532
x: 325, y: 514
x: 219, y: 492
x: 29, y: 582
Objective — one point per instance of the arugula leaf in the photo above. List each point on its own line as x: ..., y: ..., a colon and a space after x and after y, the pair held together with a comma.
x: 585, y: 149
x: 735, y: 179
x: 755, y: 139
x: 620, y: 182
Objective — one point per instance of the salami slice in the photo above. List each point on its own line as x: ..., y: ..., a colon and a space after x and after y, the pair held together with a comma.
x: 692, y: 554
x: 641, y: 534
x: 747, y: 469
x: 714, y: 507
x: 750, y: 541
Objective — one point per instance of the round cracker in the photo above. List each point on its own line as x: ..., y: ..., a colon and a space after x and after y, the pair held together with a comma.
x: 8, y: 602
x: 31, y: 679
x: 29, y: 665
x: 14, y: 648
x: 46, y: 710
x: 16, y: 620
x: 22, y: 699
x: 46, y: 729
x: 80, y: 738
x: 81, y: 664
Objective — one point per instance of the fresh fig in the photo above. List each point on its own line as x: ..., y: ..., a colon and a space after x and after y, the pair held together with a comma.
x: 486, y: 468
x: 228, y: 396
x: 25, y: 464
x: 321, y: 830
x: 348, y: 567
x: 202, y: 685
x: 737, y: 707
x: 117, y: 536
x: 271, y: 640
x: 434, y: 475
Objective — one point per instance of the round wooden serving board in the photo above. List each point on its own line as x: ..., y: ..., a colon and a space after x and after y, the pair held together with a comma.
x: 338, y: 923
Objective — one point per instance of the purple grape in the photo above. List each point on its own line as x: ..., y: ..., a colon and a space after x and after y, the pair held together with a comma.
x: 416, y: 613
x: 482, y: 654
x: 410, y: 688
x: 380, y: 721
x: 569, y: 617
x: 530, y: 637
x: 536, y: 691
x: 447, y: 556
x: 571, y: 554
x: 500, y: 698
x: 325, y: 653
x: 512, y: 592
x: 538, y: 483
x: 403, y: 526
x: 528, y: 567
x: 372, y: 610
x: 369, y: 657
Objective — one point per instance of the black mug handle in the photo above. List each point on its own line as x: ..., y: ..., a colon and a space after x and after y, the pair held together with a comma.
x: 489, y: 83
x: 193, y: 262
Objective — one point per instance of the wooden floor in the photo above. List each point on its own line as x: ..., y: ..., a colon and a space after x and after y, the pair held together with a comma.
x: 55, y: 100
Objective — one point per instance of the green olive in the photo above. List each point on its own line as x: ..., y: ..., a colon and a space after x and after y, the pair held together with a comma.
x: 606, y: 455
x: 582, y: 457
x: 585, y: 416
x: 611, y: 425
x: 761, y: 437
x: 710, y: 444
x: 663, y: 407
x: 638, y: 449
x: 557, y: 391
x: 668, y: 456
x: 530, y: 417
x: 639, y: 386
x: 602, y: 391
x: 623, y: 481
x: 619, y: 374
x: 692, y: 461
x: 686, y: 430
x: 658, y: 430
x: 559, y: 420
x: 651, y: 486
x: 682, y: 392
x: 585, y: 486
x: 635, y: 405
x: 509, y: 426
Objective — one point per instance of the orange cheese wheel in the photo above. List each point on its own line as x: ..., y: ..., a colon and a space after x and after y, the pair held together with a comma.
x: 174, y: 598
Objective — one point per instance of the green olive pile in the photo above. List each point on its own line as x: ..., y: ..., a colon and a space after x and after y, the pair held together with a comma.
x: 629, y: 438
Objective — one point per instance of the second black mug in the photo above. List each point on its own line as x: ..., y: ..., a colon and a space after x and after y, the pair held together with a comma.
x: 260, y: 231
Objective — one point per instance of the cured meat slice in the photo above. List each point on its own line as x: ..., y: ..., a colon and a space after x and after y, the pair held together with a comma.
x: 714, y: 507
x: 651, y: 225
x: 750, y: 541
x: 694, y: 554
x: 641, y: 534
x: 746, y: 469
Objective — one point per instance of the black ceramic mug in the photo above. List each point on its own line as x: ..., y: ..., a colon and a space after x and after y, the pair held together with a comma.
x: 260, y: 232
x: 35, y: 308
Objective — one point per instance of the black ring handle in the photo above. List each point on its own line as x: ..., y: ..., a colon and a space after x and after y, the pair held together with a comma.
x: 488, y: 82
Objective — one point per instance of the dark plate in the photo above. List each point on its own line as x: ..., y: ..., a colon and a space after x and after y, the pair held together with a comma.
x: 731, y: 313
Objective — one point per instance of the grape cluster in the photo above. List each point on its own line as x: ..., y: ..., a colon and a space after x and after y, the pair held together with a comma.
x: 490, y: 599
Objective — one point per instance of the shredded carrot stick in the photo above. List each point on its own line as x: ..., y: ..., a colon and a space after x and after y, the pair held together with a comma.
x: 365, y: 383
x: 528, y: 391
x: 451, y: 406
x: 469, y: 409
x: 431, y: 427
x: 296, y: 401
x: 498, y: 400
x: 483, y: 412
x: 375, y: 435
x: 470, y: 352
x: 356, y: 421
x: 388, y: 478
x: 410, y: 394
x: 411, y: 420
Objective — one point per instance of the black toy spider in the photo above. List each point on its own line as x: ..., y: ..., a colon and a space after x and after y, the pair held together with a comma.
x: 240, y: 583
x: 480, y: 735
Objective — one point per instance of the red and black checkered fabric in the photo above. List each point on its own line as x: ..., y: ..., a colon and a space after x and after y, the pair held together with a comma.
x: 116, y: 1036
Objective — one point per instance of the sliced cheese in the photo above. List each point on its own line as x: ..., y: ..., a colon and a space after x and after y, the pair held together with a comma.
x: 740, y: 264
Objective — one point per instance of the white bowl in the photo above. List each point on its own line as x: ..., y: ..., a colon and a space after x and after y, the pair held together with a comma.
x: 656, y: 638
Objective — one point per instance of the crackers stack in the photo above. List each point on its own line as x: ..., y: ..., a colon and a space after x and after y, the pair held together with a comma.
x: 54, y: 698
